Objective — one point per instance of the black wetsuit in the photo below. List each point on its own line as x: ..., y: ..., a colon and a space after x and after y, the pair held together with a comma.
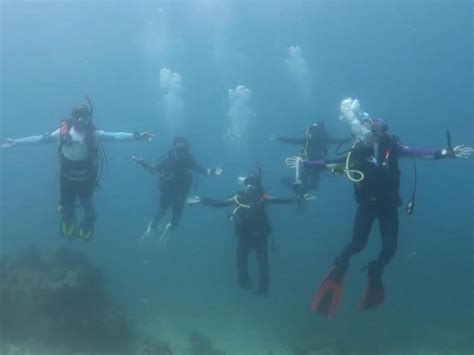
x: 78, y: 179
x: 315, y: 148
x: 378, y: 198
x: 175, y: 180
x: 252, y: 228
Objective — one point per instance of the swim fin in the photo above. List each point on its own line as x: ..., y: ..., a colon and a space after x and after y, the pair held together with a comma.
x: 374, y: 294
x: 67, y: 228
x: 86, y: 229
x: 329, y: 293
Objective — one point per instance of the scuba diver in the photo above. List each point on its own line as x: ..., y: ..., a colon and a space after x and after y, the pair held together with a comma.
x: 175, y: 179
x: 314, y: 146
x: 80, y: 159
x: 251, y: 226
x: 372, y: 164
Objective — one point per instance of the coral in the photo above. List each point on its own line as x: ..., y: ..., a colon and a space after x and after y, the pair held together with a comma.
x: 59, y: 300
x: 154, y: 347
x: 202, y: 345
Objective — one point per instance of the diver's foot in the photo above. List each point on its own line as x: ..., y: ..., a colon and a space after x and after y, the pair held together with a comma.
x: 245, y: 283
x: 86, y: 229
x: 327, y: 297
x: 374, y: 294
x: 262, y: 291
x: 67, y: 228
x: 163, y: 241
x: 150, y: 230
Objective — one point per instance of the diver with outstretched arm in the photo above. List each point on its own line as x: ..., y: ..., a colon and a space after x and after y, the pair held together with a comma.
x: 251, y: 226
x: 80, y: 155
x: 314, y: 146
x: 175, y: 175
x: 372, y: 164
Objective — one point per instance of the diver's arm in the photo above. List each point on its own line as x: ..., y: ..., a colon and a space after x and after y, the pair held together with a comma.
x: 315, y: 164
x: 459, y: 151
x: 405, y: 151
x: 335, y: 141
x: 293, y: 141
x: 205, y: 171
x: 281, y: 200
x: 104, y: 136
x: 42, y: 138
x: 218, y: 203
x: 198, y: 167
x: 151, y: 168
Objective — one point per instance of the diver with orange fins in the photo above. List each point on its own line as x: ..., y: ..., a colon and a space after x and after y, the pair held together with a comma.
x: 372, y: 164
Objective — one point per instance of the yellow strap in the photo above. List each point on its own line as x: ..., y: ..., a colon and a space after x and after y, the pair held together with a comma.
x: 240, y: 204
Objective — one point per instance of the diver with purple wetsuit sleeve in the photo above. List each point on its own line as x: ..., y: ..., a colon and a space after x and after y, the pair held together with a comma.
x: 372, y: 164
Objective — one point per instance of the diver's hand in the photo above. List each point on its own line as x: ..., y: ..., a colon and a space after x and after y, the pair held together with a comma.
x: 294, y: 162
x: 8, y: 143
x: 193, y: 199
x: 309, y: 197
x: 462, y: 151
x: 137, y: 160
x: 144, y: 136
x: 335, y: 168
x: 218, y: 171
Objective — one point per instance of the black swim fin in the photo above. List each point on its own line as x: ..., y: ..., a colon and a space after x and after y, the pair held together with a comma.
x: 374, y: 294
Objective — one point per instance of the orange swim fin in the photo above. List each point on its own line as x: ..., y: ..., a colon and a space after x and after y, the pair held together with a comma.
x: 328, y: 295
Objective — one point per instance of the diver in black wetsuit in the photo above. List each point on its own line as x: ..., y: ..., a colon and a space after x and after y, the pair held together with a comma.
x: 80, y: 156
x: 175, y: 180
x: 314, y: 146
x: 372, y: 164
x: 251, y: 226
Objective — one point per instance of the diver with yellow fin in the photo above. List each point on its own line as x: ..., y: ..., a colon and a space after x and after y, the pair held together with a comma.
x: 81, y: 156
x: 372, y: 164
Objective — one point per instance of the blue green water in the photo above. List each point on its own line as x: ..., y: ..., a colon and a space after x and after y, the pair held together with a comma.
x: 409, y: 63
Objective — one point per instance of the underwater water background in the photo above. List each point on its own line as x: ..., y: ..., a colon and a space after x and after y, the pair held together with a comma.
x: 410, y: 63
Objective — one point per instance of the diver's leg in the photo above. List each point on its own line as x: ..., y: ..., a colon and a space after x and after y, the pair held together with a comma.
x: 312, y: 180
x: 86, y: 191
x: 261, y: 249
x: 374, y: 294
x: 177, y: 209
x: 388, y: 222
x: 243, y: 250
x: 363, y: 221
x: 163, y: 205
x: 67, y: 198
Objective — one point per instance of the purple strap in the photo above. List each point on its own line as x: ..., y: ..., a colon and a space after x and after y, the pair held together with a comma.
x: 315, y: 164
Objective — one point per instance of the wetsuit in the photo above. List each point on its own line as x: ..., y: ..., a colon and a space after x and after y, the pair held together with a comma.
x: 78, y: 159
x: 252, y: 228
x: 315, y: 148
x: 377, y: 194
x: 175, y: 180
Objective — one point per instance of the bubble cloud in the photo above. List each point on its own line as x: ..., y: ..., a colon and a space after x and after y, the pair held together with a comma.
x: 241, y: 116
x: 172, y: 102
x: 298, y: 69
